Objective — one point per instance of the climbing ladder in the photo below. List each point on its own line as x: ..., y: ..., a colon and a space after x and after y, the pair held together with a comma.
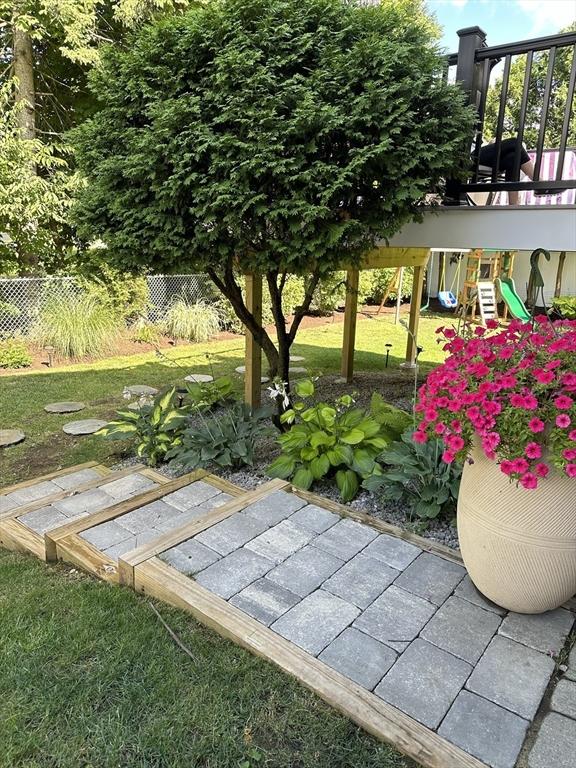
x: 483, y: 267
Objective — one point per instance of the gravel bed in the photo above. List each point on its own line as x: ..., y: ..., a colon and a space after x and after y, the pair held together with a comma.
x: 397, y: 387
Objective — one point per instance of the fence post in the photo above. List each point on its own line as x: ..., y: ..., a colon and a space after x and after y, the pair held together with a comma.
x: 468, y: 72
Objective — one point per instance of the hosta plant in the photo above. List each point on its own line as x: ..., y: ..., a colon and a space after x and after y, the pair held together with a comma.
x: 336, y: 440
x: 415, y: 474
x: 156, y: 427
x: 206, y: 395
x: 226, y: 439
x: 512, y: 391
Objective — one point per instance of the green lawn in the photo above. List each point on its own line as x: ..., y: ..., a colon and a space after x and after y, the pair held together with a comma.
x: 100, y: 384
x: 89, y: 678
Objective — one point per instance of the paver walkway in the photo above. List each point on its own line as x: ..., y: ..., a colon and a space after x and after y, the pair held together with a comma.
x: 403, y: 623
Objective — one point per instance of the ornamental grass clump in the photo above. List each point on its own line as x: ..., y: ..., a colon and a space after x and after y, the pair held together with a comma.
x: 512, y: 392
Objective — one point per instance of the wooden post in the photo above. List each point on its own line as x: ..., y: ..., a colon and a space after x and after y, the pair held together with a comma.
x: 253, y: 354
x: 558, y: 287
x: 415, y: 302
x: 352, y: 281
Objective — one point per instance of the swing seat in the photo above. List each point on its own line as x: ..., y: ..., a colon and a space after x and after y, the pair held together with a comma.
x: 447, y: 299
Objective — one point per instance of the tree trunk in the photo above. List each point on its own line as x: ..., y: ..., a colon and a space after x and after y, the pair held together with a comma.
x: 24, y: 72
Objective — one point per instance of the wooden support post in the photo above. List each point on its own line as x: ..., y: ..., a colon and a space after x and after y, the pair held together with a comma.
x: 415, y: 302
x: 351, y: 308
x: 558, y: 287
x: 253, y: 354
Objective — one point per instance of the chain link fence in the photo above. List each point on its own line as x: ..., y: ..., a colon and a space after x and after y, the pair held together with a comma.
x: 21, y: 299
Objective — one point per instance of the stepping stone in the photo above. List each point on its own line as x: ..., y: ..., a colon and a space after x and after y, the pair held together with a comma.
x: 199, y: 378
x: 242, y: 370
x: 297, y: 359
x: 140, y: 389
x: 83, y: 427
x: 10, y: 437
x: 68, y: 406
x: 297, y: 369
x: 137, y: 406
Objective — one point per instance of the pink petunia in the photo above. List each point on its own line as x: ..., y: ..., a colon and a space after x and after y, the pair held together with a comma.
x: 455, y: 443
x: 571, y: 470
x: 519, y: 465
x: 492, y: 324
x: 563, y: 420
x: 448, y: 457
x: 529, y: 480
x: 536, y: 425
x: 533, y: 451
x: 544, y: 377
x: 542, y: 469
x: 563, y: 402
x: 572, y: 434
x: 419, y: 437
x: 506, y: 467
x: 440, y: 428
x: 569, y: 454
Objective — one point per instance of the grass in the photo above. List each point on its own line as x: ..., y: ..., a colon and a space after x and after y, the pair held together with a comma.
x: 89, y: 678
x: 100, y: 384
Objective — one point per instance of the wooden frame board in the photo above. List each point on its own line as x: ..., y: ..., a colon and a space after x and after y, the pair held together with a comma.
x: 160, y: 580
x: 52, y: 475
x: 65, y: 542
x: 17, y: 536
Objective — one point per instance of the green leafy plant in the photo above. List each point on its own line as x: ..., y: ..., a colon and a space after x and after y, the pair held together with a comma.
x: 156, y: 427
x: 335, y: 441
x: 191, y: 321
x: 144, y: 332
x: 124, y: 294
x: 75, y: 324
x: 227, y: 439
x: 566, y: 306
x: 206, y: 395
x: 8, y: 310
x: 14, y: 354
x: 415, y: 474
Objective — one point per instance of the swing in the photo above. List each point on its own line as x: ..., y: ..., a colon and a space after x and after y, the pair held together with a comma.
x: 447, y: 298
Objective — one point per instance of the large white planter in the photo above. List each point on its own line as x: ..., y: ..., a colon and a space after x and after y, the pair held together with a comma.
x: 518, y: 545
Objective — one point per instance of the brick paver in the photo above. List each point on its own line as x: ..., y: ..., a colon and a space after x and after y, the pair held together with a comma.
x: 431, y: 577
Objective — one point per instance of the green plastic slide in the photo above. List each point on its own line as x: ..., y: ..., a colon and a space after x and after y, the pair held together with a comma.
x: 515, y: 305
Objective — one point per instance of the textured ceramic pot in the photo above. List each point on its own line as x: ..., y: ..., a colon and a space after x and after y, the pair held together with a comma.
x: 518, y: 545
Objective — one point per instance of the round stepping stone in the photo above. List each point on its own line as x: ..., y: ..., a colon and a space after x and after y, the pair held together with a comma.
x: 140, y: 389
x: 297, y: 370
x: 297, y: 359
x: 240, y: 369
x: 199, y: 378
x: 65, y: 407
x: 83, y: 427
x: 10, y: 437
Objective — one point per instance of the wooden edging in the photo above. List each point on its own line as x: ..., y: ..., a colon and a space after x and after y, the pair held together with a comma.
x: 429, y: 545
x: 75, y: 550
x: 160, y: 580
x: 106, y: 476
x: 128, y: 561
x: 52, y: 537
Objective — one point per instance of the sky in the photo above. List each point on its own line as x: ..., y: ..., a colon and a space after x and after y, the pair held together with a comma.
x: 504, y: 21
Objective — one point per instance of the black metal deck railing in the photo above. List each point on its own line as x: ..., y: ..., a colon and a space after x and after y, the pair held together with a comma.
x: 475, y: 62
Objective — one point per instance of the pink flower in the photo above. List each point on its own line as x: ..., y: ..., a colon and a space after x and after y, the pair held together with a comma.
x: 430, y: 414
x: 572, y: 434
x: 571, y: 470
x: 528, y: 480
x: 456, y: 426
x: 569, y: 454
x: 448, y: 457
x: 536, y: 425
x: 455, y: 443
x: 544, y: 377
x: 449, y: 333
x: 479, y: 331
x: 542, y: 469
x: 533, y: 451
x: 563, y: 402
x: 491, y: 324
x: 519, y: 465
x: 440, y: 428
x: 506, y: 467
x: 419, y: 437
x: 563, y: 420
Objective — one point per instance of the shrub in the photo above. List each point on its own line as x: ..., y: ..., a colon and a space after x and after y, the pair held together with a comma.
x: 224, y: 440
x: 292, y: 296
x: 374, y: 283
x: 144, y: 332
x: 415, y: 474
x: 13, y: 354
x: 125, y: 294
x: 335, y: 441
x: 566, y: 306
x: 192, y: 322
x: 8, y: 310
x: 206, y: 395
x: 156, y: 427
x: 76, y: 325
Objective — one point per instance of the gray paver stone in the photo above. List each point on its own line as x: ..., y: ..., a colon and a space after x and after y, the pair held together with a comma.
x: 485, y: 730
x: 74, y: 479
x: 512, y: 675
x: 34, y: 493
x: 231, y: 533
x: 555, y: 745
x: 190, y: 556
x: 461, y: 628
x: 117, y: 550
x: 359, y: 657
x: 44, y: 519
x: 431, y: 577
x: 392, y: 551
x: 181, y: 518
x: 234, y: 572
x: 83, y: 426
x: 275, y: 507
x: 314, y: 518
x: 265, y: 601
x: 106, y: 535
x: 191, y: 495
x: 87, y: 501
x: 571, y: 671
x: 305, y: 570
x: 467, y: 591
x: 544, y: 632
x: 316, y: 621
x: 361, y: 580
x: 424, y: 682
x: 564, y: 699
x: 281, y: 541
x: 217, y: 501
x: 7, y: 505
x: 149, y: 516
x: 66, y: 406
x: 396, y: 616
x: 345, y: 539
x: 128, y: 486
